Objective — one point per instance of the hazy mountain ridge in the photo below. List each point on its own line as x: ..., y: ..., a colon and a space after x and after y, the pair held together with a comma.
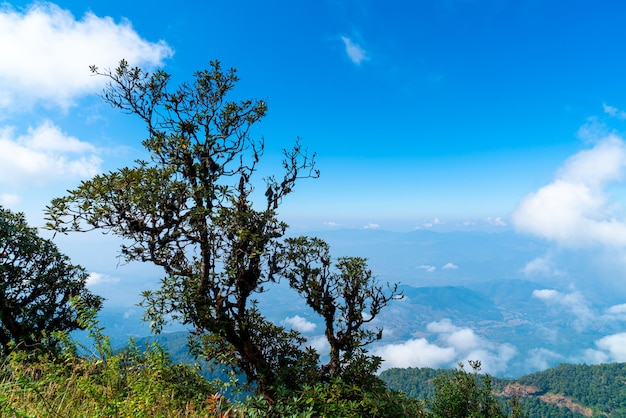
x: 468, y: 295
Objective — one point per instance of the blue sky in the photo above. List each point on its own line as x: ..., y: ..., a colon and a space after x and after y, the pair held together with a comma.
x: 430, y: 114
x: 445, y: 111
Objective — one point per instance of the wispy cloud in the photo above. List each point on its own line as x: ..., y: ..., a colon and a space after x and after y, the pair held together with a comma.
x: 450, y: 266
x: 573, y: 302
x: 355, y: 52
x: 434, y: 222
x: 427, y: 267
x: 46, y: 53
x: 497, y: 221
x: 614, y: 111
x: 542, y: 266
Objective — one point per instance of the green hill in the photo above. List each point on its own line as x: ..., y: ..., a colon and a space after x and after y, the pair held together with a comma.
x: 563, y: 391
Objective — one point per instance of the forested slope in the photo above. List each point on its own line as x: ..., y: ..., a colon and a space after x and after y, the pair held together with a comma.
x: 564, y: 391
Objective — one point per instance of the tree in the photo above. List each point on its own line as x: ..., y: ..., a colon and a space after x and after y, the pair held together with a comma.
x: 36, y: 285
x: 189, y: 209
x: 346, y: 297
x: 464, y: 395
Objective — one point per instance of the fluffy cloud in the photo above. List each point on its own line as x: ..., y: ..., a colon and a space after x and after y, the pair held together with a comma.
x: 415, y: 353
x: 574, y: 209
x: 319, y: 343
x: 452, y: 345
x: 450, y: 266
x: 614, y: 346
x: 355, y: 52
x: 95, y: 279
x: 299, y: 324
x: 427, y: 267
x: 43, y: 155
x: 541, y: 266
x: 46, y: 53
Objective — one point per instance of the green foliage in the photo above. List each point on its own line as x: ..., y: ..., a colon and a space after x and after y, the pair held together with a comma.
x: 465, y: 395
x: 417, y: 383
x: 36, y: 285
x: 133, y: 382
x: 338, y: 398
x: 599, y: 387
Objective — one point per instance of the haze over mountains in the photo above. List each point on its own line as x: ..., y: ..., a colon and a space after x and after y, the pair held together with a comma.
x: 468, y: 295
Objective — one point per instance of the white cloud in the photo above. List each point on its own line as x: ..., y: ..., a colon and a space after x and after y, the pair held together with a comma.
x: 427, y: 267
x: 496, y: 221
x: 453, y: 345
x: 450, y: 266
x: 96, y: 279
x: 415, y: 353
x: 541, y: 358
x: 593, y: 356
x: 541, y: 266
x: 573, y: 210
x: 355, y: 52
x: 371, y: 226
x: 43, y: 155
x: 614, y: 346
x: 319, y: 343
x: 615, y: 313
x: 9, y: 200
x: 46, y: 53
x: 432, y: 223
x: 573, y: 302
x: 299, y: 324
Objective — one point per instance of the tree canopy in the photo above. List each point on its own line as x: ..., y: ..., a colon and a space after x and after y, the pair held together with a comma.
x: 36, y: 285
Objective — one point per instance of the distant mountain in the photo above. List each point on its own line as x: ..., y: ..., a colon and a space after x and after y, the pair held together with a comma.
x: 499, y: 297
x: 564, y: 391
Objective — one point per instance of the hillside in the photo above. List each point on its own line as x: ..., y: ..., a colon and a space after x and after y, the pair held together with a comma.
x: 563, y: 391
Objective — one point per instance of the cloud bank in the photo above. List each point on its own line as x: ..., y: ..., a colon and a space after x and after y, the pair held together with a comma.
x: 44, y: 155
x: 46, y: 53
x: 452, y: 345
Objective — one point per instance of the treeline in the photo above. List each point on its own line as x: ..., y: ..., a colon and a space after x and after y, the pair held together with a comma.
x: 567, y: 390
